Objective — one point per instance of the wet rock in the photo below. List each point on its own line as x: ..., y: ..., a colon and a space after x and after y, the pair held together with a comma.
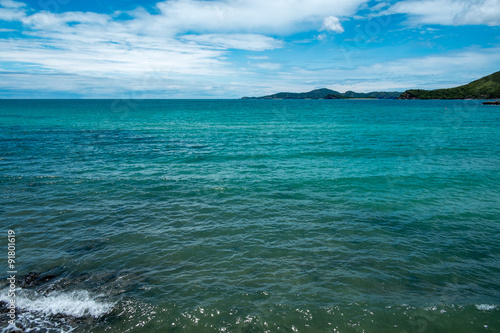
x: 14, y: 330
x: 30, y: 279
x: 3, y: 307
x: 18, y: 328
x: 34, y: 279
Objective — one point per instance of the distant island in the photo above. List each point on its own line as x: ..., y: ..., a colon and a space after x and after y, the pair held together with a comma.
x: 331, y: 94
x: 487, y: 87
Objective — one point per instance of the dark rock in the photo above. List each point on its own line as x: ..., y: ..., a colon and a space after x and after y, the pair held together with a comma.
x: 3, y: 307
x: 34, y: 279
x: 492, y: 103
x: 15, y: 330
x: 407, y: 95
x: 19, y: 328
x: 30, y: 279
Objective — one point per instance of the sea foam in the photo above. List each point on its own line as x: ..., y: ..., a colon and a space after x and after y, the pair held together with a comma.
x: 77, y: 303
x: 486, y: 307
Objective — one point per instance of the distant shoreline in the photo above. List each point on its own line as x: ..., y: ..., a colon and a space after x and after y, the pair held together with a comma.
x: 485, y: 88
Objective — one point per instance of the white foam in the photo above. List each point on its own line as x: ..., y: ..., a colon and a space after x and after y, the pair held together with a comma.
x: 78, y: 303
x: 486, y: 307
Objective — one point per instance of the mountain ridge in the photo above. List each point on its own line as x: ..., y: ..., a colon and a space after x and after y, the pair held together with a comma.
x: 324, y: 93
x: 487, y: 87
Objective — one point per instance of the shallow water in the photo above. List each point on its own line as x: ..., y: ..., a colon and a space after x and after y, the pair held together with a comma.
x: 253, y: 216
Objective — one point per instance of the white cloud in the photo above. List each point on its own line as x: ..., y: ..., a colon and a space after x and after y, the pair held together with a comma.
x: 47, y: 21
x: 269, y: 65
x: 256, y: 16
x: 322, y: 37
x: 469, y: 61
x: 379, y: 6
x: 11, y: 10
x: 90, y: 44
x: 187, y: 43
x: 431, y: 72
x: 180, y: 41
x: 183, y: 39
x: 258, y: 57
x: 78, y: 43
x: 99, y: 57
x: 332, y: 23
x: 449, y: 12
x: 250, y: 42
x: 11, y: 4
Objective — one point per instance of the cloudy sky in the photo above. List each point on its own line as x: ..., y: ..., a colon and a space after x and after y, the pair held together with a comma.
x: 235, y: 48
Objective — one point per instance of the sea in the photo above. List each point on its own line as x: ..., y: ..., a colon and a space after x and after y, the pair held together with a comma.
x: 249, y: 216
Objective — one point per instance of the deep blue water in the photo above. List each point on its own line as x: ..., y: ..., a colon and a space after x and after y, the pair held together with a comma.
x: 252, y: 216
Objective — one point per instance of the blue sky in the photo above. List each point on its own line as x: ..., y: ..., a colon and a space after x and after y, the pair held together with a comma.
x: 234, y: 48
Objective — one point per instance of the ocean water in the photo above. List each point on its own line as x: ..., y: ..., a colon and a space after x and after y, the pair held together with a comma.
x: 251, y: 215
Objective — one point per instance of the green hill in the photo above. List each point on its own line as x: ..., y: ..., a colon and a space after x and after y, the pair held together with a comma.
x: 373, y: 94
x: 314, y: 94
x: 487, y: 87
x: 329, y: 94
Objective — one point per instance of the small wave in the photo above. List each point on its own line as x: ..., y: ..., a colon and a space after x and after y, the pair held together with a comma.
x: 486, y: 307
x: 78, y: 303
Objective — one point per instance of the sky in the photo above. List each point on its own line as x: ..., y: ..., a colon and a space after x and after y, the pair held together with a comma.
x: 233, y: 48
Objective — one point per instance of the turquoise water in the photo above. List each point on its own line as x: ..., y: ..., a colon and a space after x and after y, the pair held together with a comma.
x: 252, y: 216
